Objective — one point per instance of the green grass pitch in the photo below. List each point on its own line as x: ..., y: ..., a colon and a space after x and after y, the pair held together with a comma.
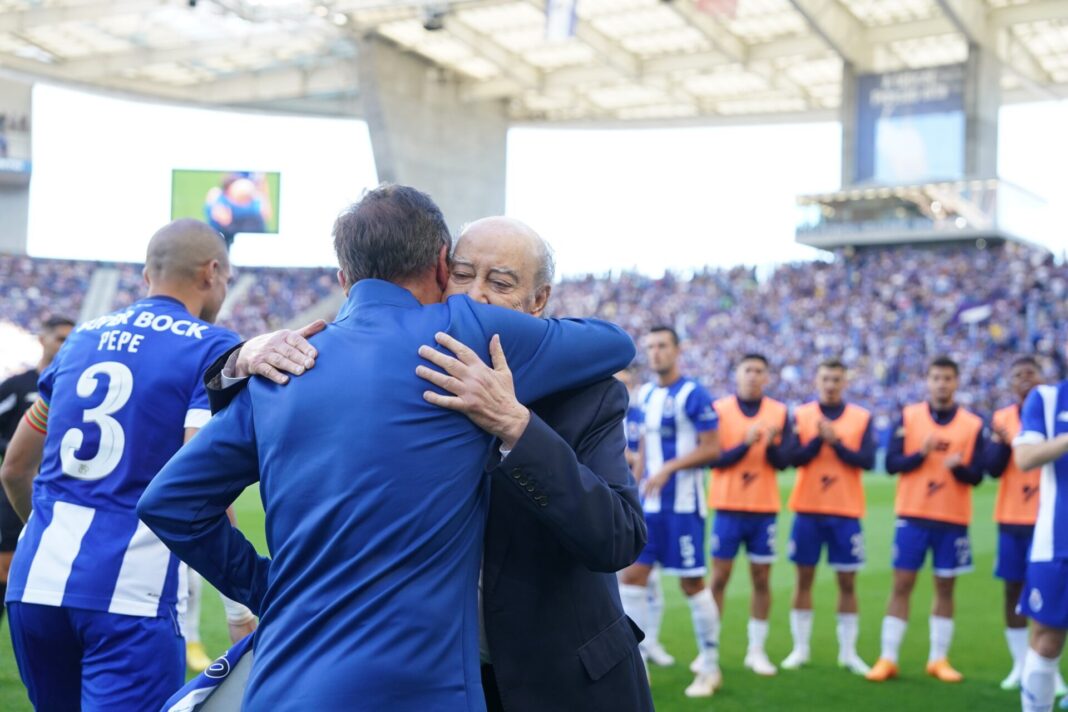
x: 979, y: 649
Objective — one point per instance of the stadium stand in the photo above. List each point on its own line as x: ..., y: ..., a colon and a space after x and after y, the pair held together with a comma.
x: 886, y: 312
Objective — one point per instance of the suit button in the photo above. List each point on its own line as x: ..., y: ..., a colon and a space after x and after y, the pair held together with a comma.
x: 516, y: 474
x: 543, y: 502
x: 530, y: 488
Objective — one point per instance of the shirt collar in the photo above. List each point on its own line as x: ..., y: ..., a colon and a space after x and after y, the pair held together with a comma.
x: 377, y: 291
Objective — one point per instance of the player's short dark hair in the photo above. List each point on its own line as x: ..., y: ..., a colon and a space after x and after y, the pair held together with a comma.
x: 1026, y: 360
x: 54, y: 322
x: 753, y: 356
x: 393, y: 233
x: 662, y: 329
x: 833, y: 362
x: 944, y: 362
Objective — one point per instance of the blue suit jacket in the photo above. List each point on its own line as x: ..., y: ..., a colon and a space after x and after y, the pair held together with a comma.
x: 375, y: 503
x: 564, y: 517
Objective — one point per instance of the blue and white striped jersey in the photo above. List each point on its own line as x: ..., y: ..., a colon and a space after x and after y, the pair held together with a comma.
x: 119, y: 396
x: 1045, y: 416
x: 674, y: 416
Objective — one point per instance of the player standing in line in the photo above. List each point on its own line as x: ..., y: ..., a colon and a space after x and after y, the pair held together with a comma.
x: 835, y: 445
x: 755, y: 437
x: 94, y: 597
x: 17, y: 394
x: 1043, y: 443
x: 679, y: 438
x: 1015, y: 511
x: 635, y: 423
x: 937, y: 449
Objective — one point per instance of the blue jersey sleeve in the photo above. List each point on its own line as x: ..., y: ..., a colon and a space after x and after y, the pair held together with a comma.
x: 199, y: 409
x: 185, y: 504
x: 1033, y: 418
x: 551, y: 355
x: 700, y: 411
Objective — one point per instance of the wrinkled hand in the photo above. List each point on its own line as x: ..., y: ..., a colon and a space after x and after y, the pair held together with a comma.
x: 241, y: 630
x: 827, y: 433
x: 952, y: 460
x: 485, y: 395
x: 657, y: 482
x: 755, y: 432
x: 276, y: 354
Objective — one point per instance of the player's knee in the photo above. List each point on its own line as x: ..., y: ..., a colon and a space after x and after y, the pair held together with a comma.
x: 691, y: 586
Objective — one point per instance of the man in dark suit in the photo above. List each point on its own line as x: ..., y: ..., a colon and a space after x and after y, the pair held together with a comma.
x: 564, y: 512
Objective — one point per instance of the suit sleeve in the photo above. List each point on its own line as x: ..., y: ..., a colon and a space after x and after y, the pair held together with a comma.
x: 9, y: 412
x: 551, y: 355
x: 586, y: 496
x: 218, y: 395
x: 185, y: 504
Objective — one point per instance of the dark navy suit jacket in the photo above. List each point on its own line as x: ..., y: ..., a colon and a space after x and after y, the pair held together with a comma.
x: 564, y: 515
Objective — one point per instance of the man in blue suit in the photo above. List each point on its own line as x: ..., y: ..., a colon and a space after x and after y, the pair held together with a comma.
x: 375, y: 499
x: 555, y: 637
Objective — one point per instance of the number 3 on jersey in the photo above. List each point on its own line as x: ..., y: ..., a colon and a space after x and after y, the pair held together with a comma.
x: 112, y: 438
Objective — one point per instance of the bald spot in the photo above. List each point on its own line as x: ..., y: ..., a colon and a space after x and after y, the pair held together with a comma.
x: 180, y: 248
x: 507, y: 236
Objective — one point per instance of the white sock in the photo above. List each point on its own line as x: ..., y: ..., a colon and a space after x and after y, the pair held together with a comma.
x: 706, y: 627
x: 636, y: 605
x: 848, y: 629
x: 1017, y: 640
x: 758, y: 635
x: 191, y: 622
x: 941, y: 638
x: 655, y: 593
x: 893, y: 633
x: 1037, y: 685
x: 801, y: 628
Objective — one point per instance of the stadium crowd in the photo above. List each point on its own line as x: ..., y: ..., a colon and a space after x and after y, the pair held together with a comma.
x: 884, y: 312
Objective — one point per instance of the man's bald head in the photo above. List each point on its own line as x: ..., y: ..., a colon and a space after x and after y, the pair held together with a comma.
x: 509, y: 230
x: 180, y: 248
x: 502, y: 261
x: 187, y: 260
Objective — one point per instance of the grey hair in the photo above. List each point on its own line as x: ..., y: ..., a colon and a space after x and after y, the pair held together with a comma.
x: 546, y: 265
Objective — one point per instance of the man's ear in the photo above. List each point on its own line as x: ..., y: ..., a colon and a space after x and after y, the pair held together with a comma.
x: 343, y: 281
x: 541, y: 300
x: 442, y: 270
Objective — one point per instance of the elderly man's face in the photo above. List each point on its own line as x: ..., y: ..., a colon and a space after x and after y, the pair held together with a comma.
x: 497, y: 268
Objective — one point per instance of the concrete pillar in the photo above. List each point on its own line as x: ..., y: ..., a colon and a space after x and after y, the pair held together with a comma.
x: 982, y: 99
x: 424, y: 135
x: 14, y: 182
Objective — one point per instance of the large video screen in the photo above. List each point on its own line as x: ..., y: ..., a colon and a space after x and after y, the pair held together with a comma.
x: 910, y: 126
x: 232, y: 202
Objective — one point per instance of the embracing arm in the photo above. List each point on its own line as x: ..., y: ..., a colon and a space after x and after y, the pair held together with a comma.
x: 586, y: 495
x: 186, y: 503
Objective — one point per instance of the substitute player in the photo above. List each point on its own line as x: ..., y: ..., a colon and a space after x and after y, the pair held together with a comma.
x: 94, y: 597
x: 1043, y: 443
x: 755, y: 436
x: 835, y: 445
x: 937, y: 447
x: 1015, y: 511
x: 679, y: 438
x: 17, y: 394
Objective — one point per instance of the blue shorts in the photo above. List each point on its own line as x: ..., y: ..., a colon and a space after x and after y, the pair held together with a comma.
x: 73, y: 658
x: 842, y: 535
x: 756, y: 530
x: 677, y: 542
x: 1014, y: 547
x: 1045, y: 597
x: 951, y: 550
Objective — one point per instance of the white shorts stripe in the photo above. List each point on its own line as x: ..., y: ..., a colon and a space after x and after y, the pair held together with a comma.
x: 142, y: 576
x: 60, y: 543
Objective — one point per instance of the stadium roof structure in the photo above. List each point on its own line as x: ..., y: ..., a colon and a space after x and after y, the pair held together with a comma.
x: 621, y: 60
